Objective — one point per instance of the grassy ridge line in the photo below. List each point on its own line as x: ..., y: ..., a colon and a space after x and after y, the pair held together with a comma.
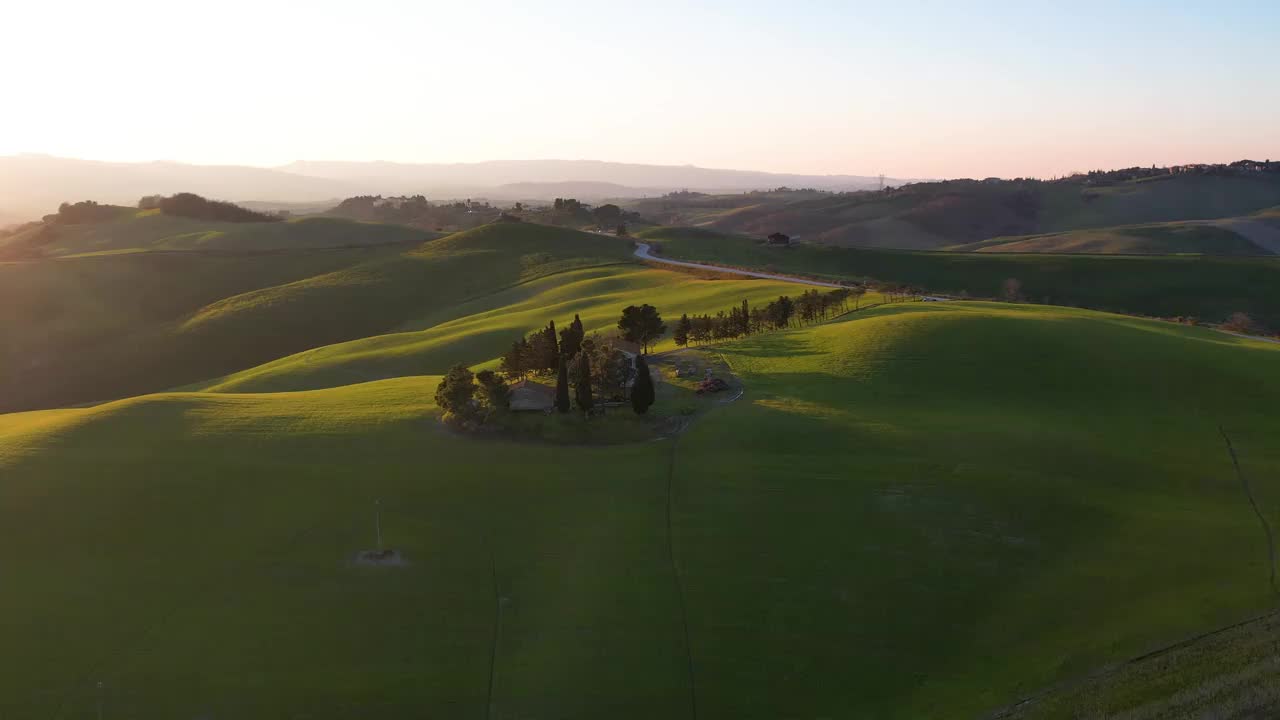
x: 149, y: 230
x: 477, y: 331
x: 1197, y: 237
x: 372, y: 295
x: 1210, y: 288
x: 933, y: 215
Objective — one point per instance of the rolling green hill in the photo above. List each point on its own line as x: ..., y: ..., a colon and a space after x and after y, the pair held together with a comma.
x: 124, y: 327
x: 482, y: 329
x: 1152, y: 239
x: 1210, y: 288
x: 934, y: 215
x: 922, y: 510
x: 949, y: 505
x: 141, y: 230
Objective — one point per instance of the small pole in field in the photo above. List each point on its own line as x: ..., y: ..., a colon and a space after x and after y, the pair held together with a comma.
x: 99, y: 700
x: 377, y: 520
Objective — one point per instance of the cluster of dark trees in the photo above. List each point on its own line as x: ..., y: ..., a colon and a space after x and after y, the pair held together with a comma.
x: 898, y: 293
x: 568, y: 205
x: 469, y: 399
x: 193, y: 206
x: 641, y: 325
x: 1111, y: 177
x: 594, y: 368
x: 417, y: 211
x: 86, y: 211
x: 571, y: 211
x: 741, y: 320
x: 538, y: 352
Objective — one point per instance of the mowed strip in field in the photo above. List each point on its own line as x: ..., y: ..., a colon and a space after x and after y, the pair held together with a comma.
x: 925, y: 510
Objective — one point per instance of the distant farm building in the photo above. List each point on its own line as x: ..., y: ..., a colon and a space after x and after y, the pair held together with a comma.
x: 527, y: 395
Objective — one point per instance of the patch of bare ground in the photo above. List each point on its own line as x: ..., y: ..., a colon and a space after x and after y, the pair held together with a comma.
x: 380, y: 558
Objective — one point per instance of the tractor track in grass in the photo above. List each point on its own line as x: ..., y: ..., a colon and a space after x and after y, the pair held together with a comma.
x: 1015, y: 708
x: 497, y: 629
x: 675, y: 573
x: 1253, y: 503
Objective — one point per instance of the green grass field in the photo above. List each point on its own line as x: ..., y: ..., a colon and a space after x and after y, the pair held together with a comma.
x: 148, y: 230
x: 1230, y: 673
x: 936, y: 509
x: 929, y: 510
x: 152, y: 321
x: 475, y: 332
x: 1210, y: 288
x: 1151, y: 239
x: 935, y: 215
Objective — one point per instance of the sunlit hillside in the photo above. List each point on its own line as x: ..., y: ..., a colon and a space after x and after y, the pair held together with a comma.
x: 1001, y: 496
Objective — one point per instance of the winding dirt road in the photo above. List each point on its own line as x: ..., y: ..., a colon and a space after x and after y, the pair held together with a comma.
x: 642, y: 252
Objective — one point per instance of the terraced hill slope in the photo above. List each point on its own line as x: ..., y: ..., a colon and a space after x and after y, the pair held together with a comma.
x: 920, y: 510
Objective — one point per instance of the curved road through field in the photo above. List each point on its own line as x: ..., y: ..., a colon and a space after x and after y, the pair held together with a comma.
x: 642, y: 252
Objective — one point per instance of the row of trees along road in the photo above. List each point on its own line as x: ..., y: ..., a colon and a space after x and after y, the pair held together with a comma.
x: 741, y: 320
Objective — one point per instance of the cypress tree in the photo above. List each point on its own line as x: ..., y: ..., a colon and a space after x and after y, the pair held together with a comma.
x: 681, y: 333
x: 552, y: 348
x: 571, y: 338
x: 642, y: 390
x: 562, y: 387
x: 582, y: 383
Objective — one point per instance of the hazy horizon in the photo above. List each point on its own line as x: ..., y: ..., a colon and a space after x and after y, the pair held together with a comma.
x: 288, y: 165
x: 285, y: 166
x: 920, y: 90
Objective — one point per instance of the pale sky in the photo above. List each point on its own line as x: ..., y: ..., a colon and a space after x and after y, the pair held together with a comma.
x: 909, y: 89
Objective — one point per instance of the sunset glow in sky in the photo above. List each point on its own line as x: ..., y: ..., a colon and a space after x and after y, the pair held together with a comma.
x: 910, y: 89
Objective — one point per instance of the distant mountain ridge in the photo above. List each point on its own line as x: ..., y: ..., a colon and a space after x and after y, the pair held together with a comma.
x: 659, y: 178
x: 34, y: 185
x: 583, y: 190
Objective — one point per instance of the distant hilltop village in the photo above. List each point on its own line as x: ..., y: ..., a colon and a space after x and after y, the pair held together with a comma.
x: 1239, y: 168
